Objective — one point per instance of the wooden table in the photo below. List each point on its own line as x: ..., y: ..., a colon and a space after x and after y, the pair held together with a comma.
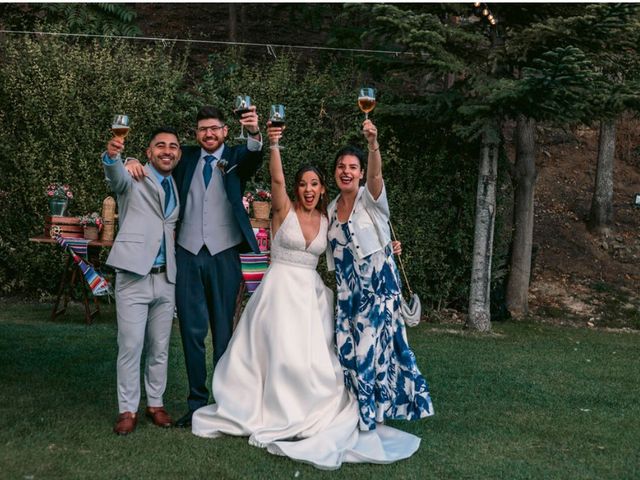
x: 71, y: 275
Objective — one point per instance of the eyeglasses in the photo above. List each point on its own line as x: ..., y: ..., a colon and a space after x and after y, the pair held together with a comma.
x: 214, y: 129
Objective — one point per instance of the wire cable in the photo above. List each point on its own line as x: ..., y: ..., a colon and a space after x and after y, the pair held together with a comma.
x: 209, y: 42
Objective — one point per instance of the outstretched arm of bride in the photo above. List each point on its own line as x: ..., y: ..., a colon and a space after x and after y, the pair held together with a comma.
x: 280, y: 203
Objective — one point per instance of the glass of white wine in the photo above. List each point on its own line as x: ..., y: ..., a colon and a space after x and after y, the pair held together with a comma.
x: 240, y: 107
x: 277, y: 117
x: 120, y: 126
x: 367, y: 100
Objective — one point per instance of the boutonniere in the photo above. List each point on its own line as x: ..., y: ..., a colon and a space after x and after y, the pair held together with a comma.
x: 222, y: 165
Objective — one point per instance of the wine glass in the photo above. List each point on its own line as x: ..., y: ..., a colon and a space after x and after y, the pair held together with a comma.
x: 367, y: 100
x: 277, y: 119
x: 120, y: 126
x: 240, y: 107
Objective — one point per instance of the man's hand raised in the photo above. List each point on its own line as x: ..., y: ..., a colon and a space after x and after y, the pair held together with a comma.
x: 115, y: 147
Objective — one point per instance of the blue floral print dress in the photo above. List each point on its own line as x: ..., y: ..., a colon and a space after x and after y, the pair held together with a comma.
x: 371, y: 339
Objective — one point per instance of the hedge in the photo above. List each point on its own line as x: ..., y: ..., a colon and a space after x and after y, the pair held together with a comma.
x: 57, y: 98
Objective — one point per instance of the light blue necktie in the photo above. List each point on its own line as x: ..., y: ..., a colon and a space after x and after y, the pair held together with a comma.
x: 208, y: 169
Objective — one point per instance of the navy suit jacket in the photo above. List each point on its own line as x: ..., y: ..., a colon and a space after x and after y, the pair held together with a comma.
x: 242, y: 165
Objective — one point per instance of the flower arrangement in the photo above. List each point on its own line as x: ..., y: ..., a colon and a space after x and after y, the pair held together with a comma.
x: 257, y: 193
x: 262, y: 196
x: 258, y: 197
x: 59, y: 190
x: 92, y: 220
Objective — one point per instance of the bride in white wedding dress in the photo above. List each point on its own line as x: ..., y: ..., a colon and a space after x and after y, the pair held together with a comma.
x: 280, y: 382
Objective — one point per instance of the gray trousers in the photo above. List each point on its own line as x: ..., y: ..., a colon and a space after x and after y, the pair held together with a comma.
x: 145, y: 308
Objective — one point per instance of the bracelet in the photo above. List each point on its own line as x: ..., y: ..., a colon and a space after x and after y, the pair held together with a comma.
x: 253, y: 134
x: 375, y: 149
x: 274, y: 147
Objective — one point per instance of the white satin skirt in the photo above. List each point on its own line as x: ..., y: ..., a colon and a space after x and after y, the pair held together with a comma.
x: 280, y: 382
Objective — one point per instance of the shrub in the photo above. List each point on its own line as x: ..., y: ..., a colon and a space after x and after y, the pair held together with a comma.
x: 57, y: 98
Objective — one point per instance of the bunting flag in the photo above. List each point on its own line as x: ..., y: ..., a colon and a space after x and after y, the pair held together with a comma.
x: 254, y: 265
x: 77, y: 245
x: 99, y: 285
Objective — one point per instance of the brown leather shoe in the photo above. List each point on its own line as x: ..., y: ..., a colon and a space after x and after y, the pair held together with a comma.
x: 126, y: 423
x: 159, y: 416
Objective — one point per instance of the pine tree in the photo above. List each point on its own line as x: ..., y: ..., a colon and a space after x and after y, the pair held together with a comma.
x: 506, y: 73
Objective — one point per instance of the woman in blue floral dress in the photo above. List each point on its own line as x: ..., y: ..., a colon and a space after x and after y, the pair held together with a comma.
x: 378, y: 365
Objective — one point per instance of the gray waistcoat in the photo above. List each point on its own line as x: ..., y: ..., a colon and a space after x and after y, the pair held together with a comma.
x: 208, y: 219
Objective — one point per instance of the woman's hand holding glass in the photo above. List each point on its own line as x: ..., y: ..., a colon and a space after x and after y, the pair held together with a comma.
x: 370, y: 133
x: 275, y: 134
x: 277, y: 118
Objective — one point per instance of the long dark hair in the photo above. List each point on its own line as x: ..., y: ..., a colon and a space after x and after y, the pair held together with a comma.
x: 322, y: 204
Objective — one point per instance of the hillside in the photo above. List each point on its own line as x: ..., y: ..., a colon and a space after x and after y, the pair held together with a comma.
x: 578, y: 277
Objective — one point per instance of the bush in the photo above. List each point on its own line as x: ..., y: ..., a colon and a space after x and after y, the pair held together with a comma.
x: 430, y: 176
x: 57, y: 99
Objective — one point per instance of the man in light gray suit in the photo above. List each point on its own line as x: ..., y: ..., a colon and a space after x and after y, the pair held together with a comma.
x: 143, y: 255
x: 214, y: 229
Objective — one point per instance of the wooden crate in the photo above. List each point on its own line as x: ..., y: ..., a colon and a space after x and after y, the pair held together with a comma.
x: 66, y: 226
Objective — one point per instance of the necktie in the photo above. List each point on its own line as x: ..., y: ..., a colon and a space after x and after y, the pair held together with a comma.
x: 166, y: 185
x: 208, y: 169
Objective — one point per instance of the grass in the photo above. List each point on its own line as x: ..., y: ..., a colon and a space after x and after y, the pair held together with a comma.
x: 529, y: 401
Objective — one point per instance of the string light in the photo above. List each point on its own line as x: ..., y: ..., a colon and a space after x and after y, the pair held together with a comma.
x: 482, y: 11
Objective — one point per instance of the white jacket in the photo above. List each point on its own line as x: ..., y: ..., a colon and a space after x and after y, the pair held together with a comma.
x: 368, y: 223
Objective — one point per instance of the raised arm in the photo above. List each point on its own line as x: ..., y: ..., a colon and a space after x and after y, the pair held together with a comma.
x: 118, y: 178
x: 374, y: 162
x: 280, y: 203
x: 251, y: 159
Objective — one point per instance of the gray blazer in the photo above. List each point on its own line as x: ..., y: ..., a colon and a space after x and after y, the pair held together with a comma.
x: 141, y: 222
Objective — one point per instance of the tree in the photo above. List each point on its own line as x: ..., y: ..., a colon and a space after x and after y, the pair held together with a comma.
x: 233, y: 23
x: 597, y: 35
x: 524, y: 78
x: 619, y: 63
x: 94, y: 18
x: 555, y: 88
x: 608, y: 34
x: 480, y: 291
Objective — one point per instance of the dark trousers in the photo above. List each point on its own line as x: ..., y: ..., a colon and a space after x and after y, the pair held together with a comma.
x: 206, y: 291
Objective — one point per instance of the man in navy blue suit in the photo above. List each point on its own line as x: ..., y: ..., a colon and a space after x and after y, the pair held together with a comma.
x: 213, y: 229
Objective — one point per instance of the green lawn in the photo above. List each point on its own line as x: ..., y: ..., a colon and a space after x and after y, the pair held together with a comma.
x: 530, y: 401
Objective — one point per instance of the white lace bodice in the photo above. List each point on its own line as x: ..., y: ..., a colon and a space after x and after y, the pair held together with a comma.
x: 288, y: 244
